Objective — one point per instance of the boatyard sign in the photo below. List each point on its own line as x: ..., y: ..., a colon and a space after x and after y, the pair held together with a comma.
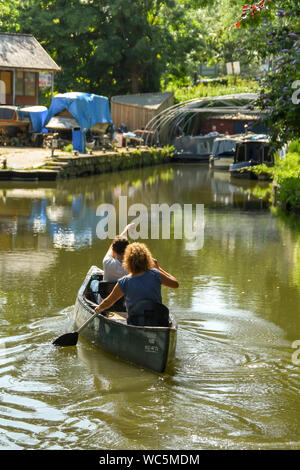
x: 233, y: 68
x: 45, y: 80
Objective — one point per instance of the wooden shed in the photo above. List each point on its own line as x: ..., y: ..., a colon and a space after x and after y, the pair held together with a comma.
x: 135, y: 111
x: 22, y: 60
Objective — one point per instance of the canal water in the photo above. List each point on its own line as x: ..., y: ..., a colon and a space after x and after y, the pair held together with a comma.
x: 235, y: 381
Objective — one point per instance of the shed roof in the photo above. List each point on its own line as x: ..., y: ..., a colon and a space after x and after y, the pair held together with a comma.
x: 143, y: 100
x: 23, y: 51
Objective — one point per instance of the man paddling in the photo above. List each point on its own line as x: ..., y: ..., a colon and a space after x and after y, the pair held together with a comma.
x: 112, y: 261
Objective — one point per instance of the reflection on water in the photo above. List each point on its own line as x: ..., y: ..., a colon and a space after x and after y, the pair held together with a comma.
x: 233, y: 383
x: 67, y: 215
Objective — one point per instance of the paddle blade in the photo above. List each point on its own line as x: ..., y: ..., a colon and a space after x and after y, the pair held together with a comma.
x: 69, y: 339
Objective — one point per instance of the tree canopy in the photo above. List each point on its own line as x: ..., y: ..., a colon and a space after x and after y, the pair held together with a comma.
x: 274, y: 34
x: 121, y: 46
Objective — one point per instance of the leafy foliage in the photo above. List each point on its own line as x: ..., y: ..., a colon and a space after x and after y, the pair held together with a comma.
x: 275, y: 35
x: 105, y: 47
x: 232, y: 85
x: 9, y: 15
x: 121, y: 46
x: 286, y: 177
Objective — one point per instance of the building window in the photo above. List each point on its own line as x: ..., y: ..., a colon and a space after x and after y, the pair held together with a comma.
x: 29, y: 82
x: 25, y: 83
x: 2, y: 92
x: 19, y: 83
x: 5, y: 77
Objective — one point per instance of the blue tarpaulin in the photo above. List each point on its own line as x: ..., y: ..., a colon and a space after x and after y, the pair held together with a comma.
x: 87, y: 109
x: 38, y: 120
x: 38, y: 116
x: 79, y: 141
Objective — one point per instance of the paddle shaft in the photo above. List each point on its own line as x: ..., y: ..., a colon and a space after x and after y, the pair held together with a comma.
x: 87, y: 322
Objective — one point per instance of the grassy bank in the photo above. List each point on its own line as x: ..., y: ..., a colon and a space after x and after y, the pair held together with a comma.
x: 107, y: 162
x: 286, y: 179
x: 234, y: 85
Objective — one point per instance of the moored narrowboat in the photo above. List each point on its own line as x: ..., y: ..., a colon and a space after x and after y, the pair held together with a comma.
x: 251, y: 151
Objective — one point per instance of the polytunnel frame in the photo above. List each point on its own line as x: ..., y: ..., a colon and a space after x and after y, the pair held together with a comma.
x: 175, y: 115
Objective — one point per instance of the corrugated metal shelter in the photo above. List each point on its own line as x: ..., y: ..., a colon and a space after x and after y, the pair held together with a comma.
x: 135, y: 111
x: 22, y: 58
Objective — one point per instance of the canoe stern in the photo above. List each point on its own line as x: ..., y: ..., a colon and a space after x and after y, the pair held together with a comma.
x: 149, y: 347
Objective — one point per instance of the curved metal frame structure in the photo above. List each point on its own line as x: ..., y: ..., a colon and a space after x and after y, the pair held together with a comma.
x: 163, y: 127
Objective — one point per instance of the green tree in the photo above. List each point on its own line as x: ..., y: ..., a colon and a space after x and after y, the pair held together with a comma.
x: 129, y: 52
x: 9, y: 15
x: 65, y: 29
x: 105, y: 47
x: 274, y: 34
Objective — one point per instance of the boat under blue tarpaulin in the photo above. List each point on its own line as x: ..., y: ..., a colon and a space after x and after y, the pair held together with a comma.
x: 87, y: 109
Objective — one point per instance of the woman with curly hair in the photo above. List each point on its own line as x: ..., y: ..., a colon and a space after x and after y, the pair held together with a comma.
x: 142, y: 286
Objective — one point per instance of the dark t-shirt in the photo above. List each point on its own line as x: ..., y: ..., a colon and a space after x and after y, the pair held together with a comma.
x: 144, y: 287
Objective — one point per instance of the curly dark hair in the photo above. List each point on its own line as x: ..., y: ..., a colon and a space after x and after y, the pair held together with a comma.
x: 119, y: 245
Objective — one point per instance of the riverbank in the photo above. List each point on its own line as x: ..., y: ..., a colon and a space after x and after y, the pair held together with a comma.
x: 285, y: 180
x: 34, y: 164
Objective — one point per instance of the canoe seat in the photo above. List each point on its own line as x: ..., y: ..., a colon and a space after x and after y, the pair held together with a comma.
x: 148, y: 313
x: 105, y: 288
x: 117, y: 317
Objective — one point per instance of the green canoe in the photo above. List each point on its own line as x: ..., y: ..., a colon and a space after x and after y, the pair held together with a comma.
x: 151, y: 347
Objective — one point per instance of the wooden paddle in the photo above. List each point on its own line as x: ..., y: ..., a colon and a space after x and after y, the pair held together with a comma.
x: 70, y: 339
